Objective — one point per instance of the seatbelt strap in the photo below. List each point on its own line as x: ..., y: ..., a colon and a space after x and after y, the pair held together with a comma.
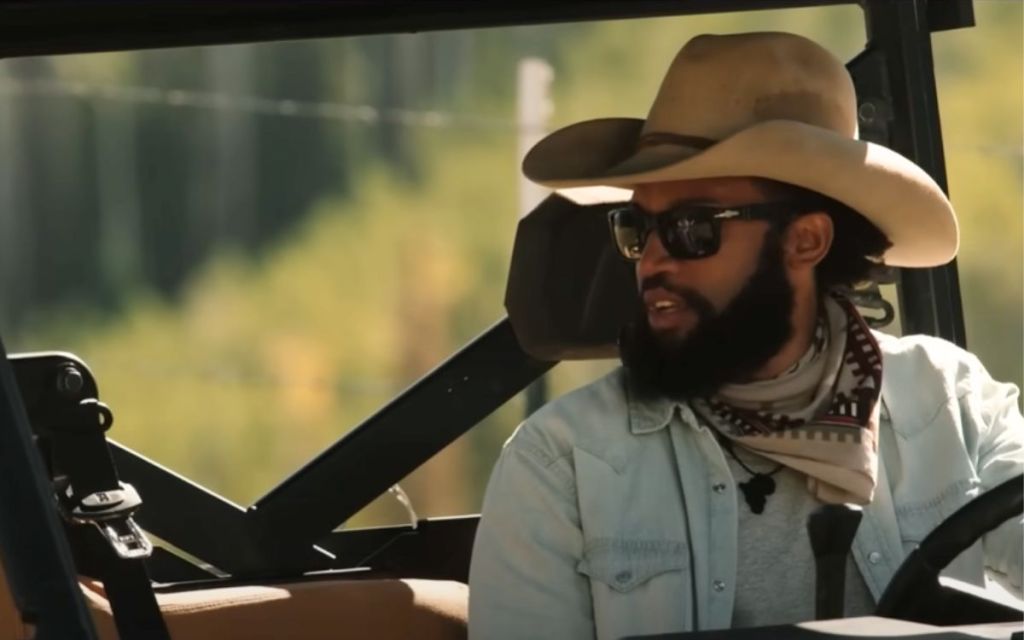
x: 99, y: 506
x: 136, y: 611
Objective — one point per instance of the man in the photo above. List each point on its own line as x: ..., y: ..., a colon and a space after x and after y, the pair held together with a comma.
x: 673, y: 493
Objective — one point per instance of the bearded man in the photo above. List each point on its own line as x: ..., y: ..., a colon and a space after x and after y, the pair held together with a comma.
x: 673, y: 493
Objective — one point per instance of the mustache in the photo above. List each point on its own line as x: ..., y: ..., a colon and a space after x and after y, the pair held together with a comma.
x: 701, y: 305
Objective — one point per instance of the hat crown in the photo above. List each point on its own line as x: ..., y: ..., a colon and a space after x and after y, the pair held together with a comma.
x: 718, y: 85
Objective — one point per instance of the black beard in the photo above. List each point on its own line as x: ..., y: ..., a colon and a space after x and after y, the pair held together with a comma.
x: 723, y: 347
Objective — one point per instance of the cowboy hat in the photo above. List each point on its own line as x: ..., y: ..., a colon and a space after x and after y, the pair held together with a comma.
x: 768, y: 105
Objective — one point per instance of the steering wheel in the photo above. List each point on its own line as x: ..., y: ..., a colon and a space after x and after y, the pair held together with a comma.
x: 914, y: 590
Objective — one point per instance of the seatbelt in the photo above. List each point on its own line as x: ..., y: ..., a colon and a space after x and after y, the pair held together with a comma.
x: 98, y: 509
x: 118, y: 549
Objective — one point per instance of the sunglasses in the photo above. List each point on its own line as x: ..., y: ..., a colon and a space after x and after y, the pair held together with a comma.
x: 687, y: 231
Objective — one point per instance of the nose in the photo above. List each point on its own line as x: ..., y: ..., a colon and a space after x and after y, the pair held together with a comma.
x: 653, y: 260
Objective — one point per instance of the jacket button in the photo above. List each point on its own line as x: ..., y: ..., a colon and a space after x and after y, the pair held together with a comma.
x: 719, y: 487
x: 874, y: 557
x: 623, y: 577
x: 718, y: 585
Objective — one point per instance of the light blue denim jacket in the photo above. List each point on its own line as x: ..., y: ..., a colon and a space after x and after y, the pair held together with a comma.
x: 607, y: 517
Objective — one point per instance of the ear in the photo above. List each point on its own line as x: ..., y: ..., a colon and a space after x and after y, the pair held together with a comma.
x: 807, y: 240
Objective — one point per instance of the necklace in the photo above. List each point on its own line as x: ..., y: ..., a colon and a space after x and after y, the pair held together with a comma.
x: 760, y: 485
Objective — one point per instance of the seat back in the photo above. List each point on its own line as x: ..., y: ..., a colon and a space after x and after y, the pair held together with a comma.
x: 312, y: 609
x: 569, y: 292
x: 11, y: 625
x: 315, y: 609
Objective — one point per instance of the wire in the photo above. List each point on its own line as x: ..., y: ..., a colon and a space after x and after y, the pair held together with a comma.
x: 258, y: 105
x: 339, y: 111
x: 400, y: 494
x: 990, y: 149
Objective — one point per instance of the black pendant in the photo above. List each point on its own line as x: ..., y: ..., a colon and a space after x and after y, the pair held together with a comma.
x: 756, y: 491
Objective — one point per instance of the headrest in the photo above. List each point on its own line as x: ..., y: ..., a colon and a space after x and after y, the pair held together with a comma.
x: 569, y: 291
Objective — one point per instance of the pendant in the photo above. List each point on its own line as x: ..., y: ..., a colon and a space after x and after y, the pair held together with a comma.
x: 756, y: 491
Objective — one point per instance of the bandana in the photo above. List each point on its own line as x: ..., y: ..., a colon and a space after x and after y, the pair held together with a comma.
x: 821, y: 417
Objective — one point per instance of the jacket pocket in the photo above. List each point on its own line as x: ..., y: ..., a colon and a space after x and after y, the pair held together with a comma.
x: 626, y: 563
x: 919, y: 518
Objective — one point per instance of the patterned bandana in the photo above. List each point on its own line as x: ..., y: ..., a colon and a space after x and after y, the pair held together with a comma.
x: 820, y: 418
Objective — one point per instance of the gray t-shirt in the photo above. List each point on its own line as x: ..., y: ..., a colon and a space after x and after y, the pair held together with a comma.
x: 775, y: 566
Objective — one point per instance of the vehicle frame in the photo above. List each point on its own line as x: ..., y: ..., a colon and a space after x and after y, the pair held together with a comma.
x: 290, y: 531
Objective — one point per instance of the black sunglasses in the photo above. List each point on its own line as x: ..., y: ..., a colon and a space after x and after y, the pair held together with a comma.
x: 687, y: 231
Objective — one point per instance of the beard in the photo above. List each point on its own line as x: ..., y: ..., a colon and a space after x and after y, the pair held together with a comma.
x: 723, y: 347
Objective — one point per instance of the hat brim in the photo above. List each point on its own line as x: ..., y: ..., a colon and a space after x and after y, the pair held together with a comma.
x: 892, y: 192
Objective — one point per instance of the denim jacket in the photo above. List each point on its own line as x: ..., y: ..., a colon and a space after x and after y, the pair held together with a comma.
x: 608, y: 517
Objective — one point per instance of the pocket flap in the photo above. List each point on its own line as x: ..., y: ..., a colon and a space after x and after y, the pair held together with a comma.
x: 623, y: 564
x: 918, y: 519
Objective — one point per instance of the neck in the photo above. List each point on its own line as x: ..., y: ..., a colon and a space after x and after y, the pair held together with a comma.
x: 804, y: 319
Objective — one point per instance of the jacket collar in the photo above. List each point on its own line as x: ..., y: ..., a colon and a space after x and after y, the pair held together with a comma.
x: 648, y: 414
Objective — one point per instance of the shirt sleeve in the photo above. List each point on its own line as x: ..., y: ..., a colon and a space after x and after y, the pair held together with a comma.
x: 993, y: 407
x: 523, y: 578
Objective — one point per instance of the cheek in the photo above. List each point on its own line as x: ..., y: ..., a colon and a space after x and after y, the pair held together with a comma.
x: 722, y: 276
x: 741, y: 248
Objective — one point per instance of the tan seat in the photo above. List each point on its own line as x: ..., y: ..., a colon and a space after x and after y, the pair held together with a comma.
x: 11, y: 626
x: 313, y: 610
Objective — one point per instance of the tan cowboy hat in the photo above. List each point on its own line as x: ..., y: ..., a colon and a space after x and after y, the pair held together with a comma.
x: 770, y: 105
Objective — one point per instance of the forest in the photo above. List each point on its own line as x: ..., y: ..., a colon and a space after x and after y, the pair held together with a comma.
x: 256, y: 246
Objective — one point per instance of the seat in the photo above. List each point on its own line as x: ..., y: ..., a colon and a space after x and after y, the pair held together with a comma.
x: 11, y: 626
x: 318, y: 609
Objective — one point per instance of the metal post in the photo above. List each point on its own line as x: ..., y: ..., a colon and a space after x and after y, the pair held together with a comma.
x: 929, y: 298
x: 534, y: 110
x: 35, y: 552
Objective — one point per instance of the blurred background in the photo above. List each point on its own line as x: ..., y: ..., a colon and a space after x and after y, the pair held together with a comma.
x: 255, y: 247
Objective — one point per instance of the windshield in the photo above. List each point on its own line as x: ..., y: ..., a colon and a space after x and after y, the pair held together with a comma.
x: 257, y: 246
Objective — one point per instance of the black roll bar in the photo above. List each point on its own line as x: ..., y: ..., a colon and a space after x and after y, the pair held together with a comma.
x: 35, y: 552
x: 929, y: 298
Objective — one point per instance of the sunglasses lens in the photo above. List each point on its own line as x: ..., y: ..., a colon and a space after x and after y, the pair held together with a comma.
x: 685, y: 234
x: 686, y: 238
x: 628, y: 231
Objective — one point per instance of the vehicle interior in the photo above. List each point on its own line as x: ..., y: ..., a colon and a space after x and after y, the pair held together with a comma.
x: 99, y: 541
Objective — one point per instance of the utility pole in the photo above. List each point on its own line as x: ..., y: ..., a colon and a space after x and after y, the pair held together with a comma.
x: 117, y: 178
x: 534, y: 109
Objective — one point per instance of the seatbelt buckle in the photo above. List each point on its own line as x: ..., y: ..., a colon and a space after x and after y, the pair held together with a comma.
x: 111, y: 512
x: 127, y: 539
